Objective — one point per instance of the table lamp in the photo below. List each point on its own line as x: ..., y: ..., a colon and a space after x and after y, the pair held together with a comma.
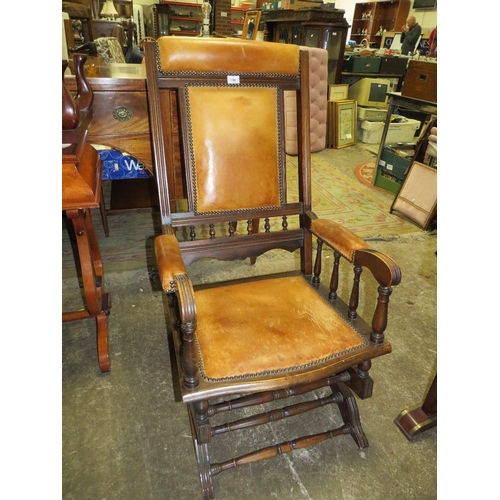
x: 108, y: 10
x: 206, y: 8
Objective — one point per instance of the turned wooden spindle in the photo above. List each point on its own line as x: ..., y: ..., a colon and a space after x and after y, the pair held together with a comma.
x: 191, y: 380
x: 266, y: 397
x: 275, y: 415
x: 354, y: 300
x: 200, y: 413
x: 188, y: 329
x: 279, y: 449
x: 334, y: 282
x: 379, y: 321
x: 317, y: 263
x: 363, y: 368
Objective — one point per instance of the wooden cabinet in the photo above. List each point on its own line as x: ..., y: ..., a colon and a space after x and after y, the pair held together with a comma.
x: 372, y: 18
x: 176, y: 18
x: 325, y: 29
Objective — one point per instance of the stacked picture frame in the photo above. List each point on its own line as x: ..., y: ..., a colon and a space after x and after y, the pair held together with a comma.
x: 342, y: 114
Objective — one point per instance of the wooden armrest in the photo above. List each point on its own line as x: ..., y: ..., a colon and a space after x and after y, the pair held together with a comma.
x: 383, y: 268
x: 338, y: 237
x: 174, y: 277
x: 356, y: 250
x: 169, y: 259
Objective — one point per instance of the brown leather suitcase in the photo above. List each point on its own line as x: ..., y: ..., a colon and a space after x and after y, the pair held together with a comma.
x: 421, y: 81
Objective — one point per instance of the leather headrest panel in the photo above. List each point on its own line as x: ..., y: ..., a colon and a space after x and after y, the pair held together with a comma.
x: 215, y: 55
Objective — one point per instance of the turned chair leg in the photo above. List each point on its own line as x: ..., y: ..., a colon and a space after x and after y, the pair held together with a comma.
x: 350, y: 414
x: 203, y: 460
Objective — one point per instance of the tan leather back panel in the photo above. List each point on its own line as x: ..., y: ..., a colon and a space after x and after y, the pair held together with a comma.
x: 224, y: 55
x: 234, y: 162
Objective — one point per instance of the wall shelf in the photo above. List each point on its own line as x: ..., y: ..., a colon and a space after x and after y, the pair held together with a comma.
x: 390, y: 14
x: 171, y: 18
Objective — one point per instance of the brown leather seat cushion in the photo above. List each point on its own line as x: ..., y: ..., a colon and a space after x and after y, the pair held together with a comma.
x: 266, y: 327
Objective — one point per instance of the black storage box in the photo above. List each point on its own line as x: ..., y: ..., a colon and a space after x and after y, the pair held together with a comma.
x: 357, y: 64
x: 393, y: 65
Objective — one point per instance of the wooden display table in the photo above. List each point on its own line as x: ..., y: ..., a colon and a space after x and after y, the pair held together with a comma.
x: 81, y: 189
x: 401, y: 101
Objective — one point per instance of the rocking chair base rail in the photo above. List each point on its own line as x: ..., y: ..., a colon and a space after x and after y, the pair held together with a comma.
x: 279, y: 449
x: 340, y: 394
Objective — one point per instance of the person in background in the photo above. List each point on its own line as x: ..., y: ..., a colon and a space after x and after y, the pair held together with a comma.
x: 410, y: 33
x: 433, y: 42
x: 251, y: 27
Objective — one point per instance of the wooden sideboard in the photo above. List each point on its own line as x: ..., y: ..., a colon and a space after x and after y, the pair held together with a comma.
x: 120, y: 109
x: 121, y: 121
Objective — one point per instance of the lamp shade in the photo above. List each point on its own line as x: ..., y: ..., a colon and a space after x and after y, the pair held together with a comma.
x: 109, y: 9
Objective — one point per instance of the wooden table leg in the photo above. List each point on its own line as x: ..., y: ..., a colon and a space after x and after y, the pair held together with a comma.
x: 414, y: 421
x: 97, y: 303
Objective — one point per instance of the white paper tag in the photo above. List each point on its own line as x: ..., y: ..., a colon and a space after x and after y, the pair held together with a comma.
x: 233, y: 79
x: 389, y: 166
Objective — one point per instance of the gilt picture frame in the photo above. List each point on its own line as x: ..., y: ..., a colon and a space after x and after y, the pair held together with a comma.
x: 251, y: 25
x: 345, y: 123
x: 338, y: 92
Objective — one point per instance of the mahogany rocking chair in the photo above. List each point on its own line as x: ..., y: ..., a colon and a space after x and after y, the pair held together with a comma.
x: 258, y: 340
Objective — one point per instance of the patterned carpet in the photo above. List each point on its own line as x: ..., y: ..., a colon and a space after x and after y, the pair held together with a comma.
x: 364, y: 174
x: 337, y: 197
x: 346, y: 202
